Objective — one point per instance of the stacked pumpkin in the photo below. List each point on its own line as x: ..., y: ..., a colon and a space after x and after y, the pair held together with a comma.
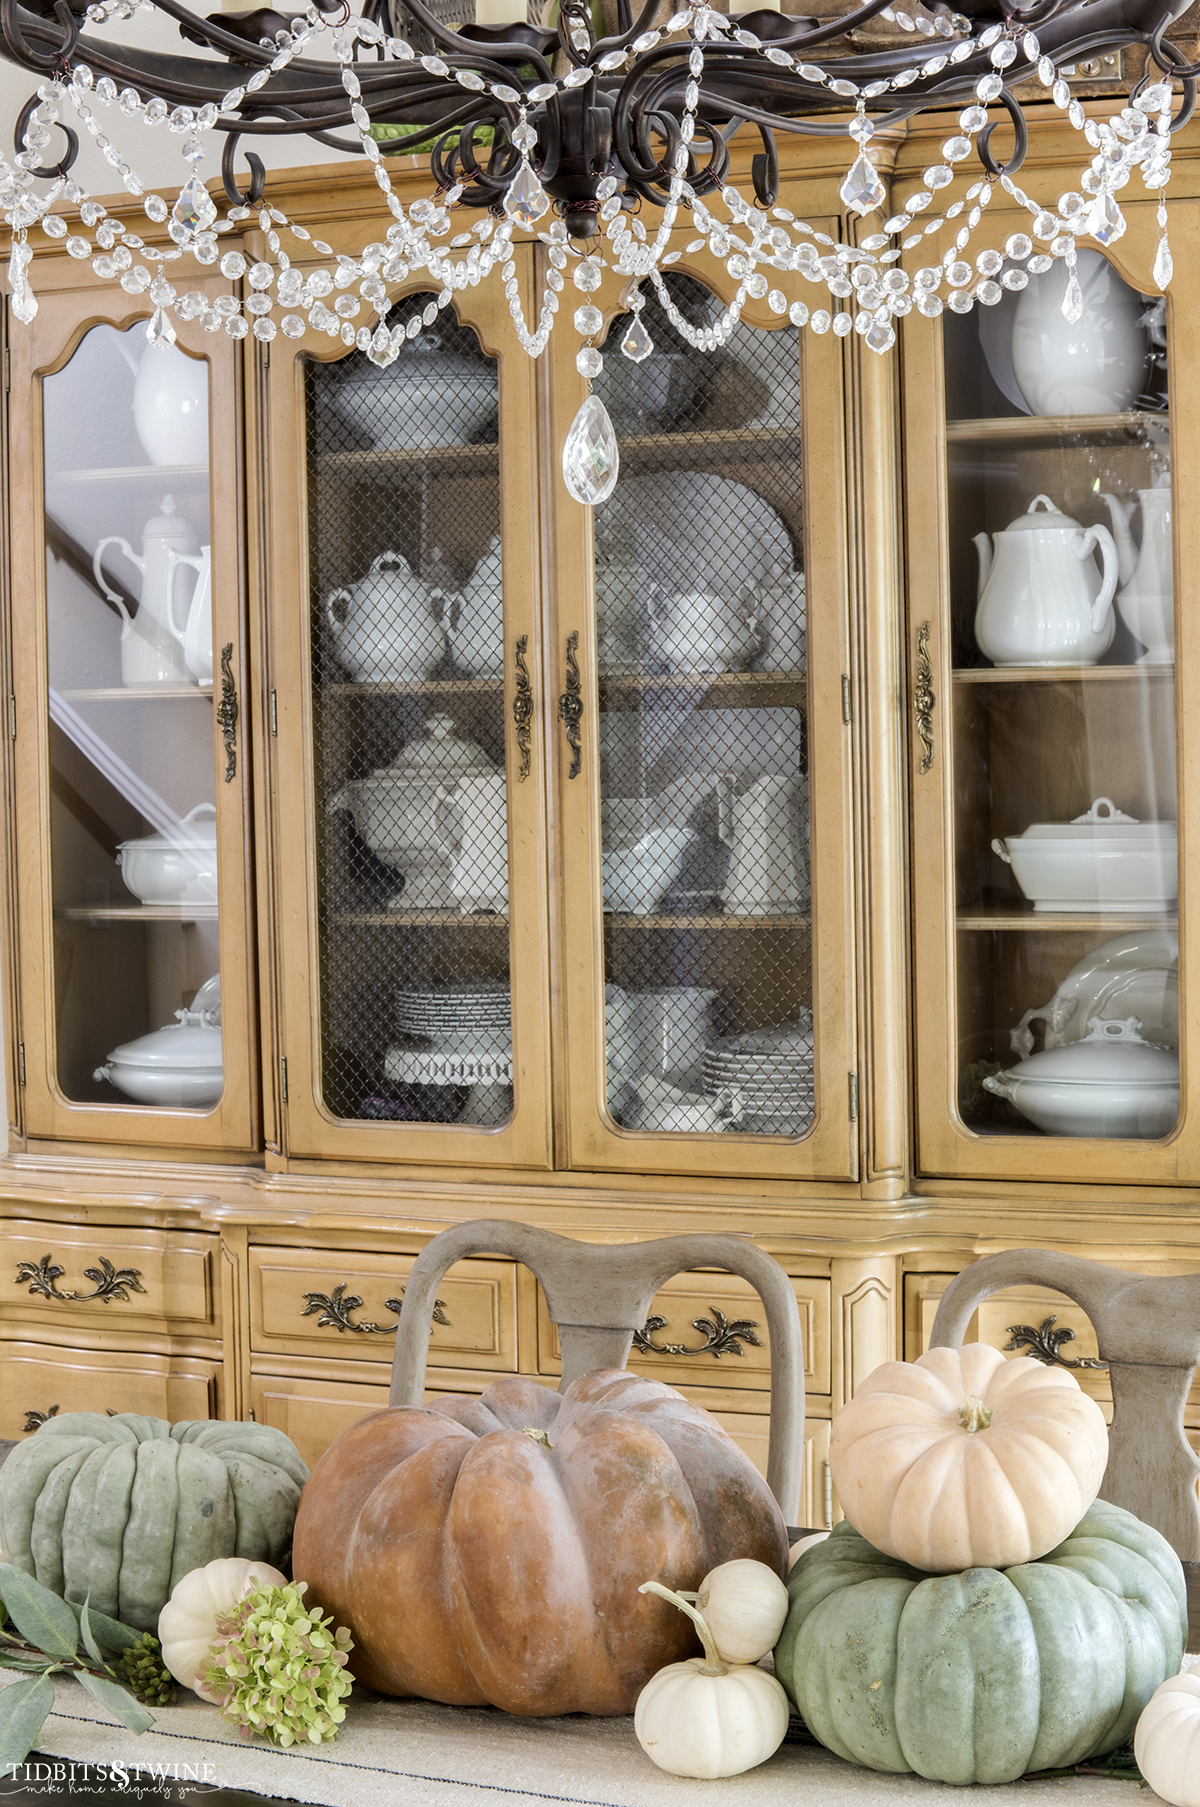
x: 979, y: 1614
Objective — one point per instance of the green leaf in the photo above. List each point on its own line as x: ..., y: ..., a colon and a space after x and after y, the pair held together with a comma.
x: 121, y: 1704
x: 23, y: 1710
x: 40, y: 1616
x: 8, y: 1661
x: 85, y: 1625
x: 108, y: 1632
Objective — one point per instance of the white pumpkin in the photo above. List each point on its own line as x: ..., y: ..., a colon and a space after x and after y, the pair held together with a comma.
x: 1167, y: 1740
x: 744, y: 1604
x: 963, y: 1460
x: 707, y: 1718
x: 187, y: 1624
x: 804, y: 1543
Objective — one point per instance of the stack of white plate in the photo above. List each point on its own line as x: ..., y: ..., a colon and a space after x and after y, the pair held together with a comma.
x: 773, y: 1071
x: 476, y: 1011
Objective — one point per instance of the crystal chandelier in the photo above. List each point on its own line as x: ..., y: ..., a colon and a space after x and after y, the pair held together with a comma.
x: 520, y: 122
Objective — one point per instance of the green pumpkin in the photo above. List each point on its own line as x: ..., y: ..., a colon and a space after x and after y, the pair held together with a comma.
x: 117, y: 1510
x: 986, y: 1675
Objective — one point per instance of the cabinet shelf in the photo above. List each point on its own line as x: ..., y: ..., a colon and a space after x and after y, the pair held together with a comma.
x: 700, y: 450
x: 133, y: 473
x: 120, y: 693
x: 1061, y: 674
x: 421, y: 919
x: 1007, y: 916
x: 619, y: 920
x: 378, y: 465
x: 1049, y: 428
x: 198, y: 912
x: 707, y: 681
x: 417, y: 687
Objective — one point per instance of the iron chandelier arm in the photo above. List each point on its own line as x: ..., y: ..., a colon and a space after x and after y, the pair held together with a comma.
x: 20, y: 51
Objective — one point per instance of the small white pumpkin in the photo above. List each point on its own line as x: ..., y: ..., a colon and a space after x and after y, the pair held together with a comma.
x: 1167, y: 1740
x: 964, y: 1460
x: 707, y: 1718
x: 804, y: 1543
x: 187, y: 1624
x: 744, y: 1604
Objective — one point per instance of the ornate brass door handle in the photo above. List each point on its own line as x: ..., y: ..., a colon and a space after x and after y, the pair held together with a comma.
x: 924, y: 700
x: 722, y: 1336
x: 111, y: 1282
x: 335, y: 1308
x: 1044, y: 1344
x: 227, y: 711
x: 522, y: 710
x: 570, y: 706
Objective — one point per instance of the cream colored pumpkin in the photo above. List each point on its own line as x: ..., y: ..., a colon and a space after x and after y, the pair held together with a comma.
x: 1167, y: 1740
x: 744, y: 1604
x: 706, y: 1717
x: 964, y: 1460
x: 804, y: 1543
x: 187, y: 1624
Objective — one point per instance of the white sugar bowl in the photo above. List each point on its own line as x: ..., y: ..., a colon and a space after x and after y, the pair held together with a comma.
x: 1112, y: 1083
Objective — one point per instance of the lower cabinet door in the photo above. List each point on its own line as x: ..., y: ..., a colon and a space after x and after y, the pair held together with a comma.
x: 40, y: 1381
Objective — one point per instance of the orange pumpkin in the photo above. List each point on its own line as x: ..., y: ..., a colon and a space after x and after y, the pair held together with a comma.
x: 490, y: 1550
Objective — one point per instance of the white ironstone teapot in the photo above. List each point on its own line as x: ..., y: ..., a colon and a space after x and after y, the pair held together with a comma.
x: 1042, y: 600
x: 384, y: 627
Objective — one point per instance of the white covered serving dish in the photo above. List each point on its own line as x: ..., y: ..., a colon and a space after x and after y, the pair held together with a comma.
x: 179, y: 1065
x: 1103, y: 860
x: 1112, y: 1083
x: 178, y: 866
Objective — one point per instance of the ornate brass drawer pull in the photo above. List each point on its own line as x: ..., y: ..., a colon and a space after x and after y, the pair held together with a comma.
x: 227, y: 711
x: 570, y: 706
x: 522, y: 710
x: 924, y: 700
x: 722, y: 1336
x: 111, y: 1282
x: 335, y: 1308
x: 1044, y: 1342
x: 33, y: 1418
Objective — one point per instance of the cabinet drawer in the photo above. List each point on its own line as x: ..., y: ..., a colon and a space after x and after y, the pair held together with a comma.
x: 107, y: 1277
x: 719, y: 1323
x: 1025, y: 1307
x: 313, y: 1412
x: 309, y: 1302
x: 34, y: 1379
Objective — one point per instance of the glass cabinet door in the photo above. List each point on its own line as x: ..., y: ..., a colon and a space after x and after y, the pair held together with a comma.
x: 708, y: 908
x: 130, y: 763
x: 423, y: 984
x: 1048, y: 729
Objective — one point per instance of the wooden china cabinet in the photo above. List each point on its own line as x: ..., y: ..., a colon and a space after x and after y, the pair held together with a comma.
x: 622, y: 870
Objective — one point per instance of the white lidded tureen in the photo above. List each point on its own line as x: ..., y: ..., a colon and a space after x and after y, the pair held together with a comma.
x: 1100, y: 861
x: 176, y: 866
x: 179, y: 1065
x: 1112, y: 1083
x: 406, y: 815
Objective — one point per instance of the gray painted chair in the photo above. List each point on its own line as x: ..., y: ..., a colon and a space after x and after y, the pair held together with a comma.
x: 598, y: 1295
x: 1148, y: 1331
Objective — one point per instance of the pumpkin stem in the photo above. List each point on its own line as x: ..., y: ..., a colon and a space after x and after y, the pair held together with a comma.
x: 975, y: 1416
x: 531, y: 1430
x: 712, y: 1661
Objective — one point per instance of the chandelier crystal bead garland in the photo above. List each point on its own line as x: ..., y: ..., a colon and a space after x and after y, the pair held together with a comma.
x: 641, y: 116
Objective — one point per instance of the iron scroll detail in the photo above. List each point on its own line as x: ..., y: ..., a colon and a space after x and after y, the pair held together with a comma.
x: 570, y: 706
x: 1044, y: 1344
x: 924, y: 699
x: 227, y: 711
x: 522, y: 709
x: 110, y: 1282
x: 722, y: 1336
x: 335, y: 1308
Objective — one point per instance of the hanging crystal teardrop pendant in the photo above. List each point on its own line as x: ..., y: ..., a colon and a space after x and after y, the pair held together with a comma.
x: 381, y: 352
x: 24, y: 301
x: 862, y: 188
x: 1164, y: 268
x: 591, y: 459
x: 637, y: 343
x: 160, y: 331
x: 194, y: 209
x: 525, y: 200
x: 1072, y: 303
x: 1106, y: 222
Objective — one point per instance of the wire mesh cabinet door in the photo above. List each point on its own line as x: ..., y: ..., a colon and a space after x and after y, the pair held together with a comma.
x: 703, y: 763
x: 409, y: 830
x: 131, y: 777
